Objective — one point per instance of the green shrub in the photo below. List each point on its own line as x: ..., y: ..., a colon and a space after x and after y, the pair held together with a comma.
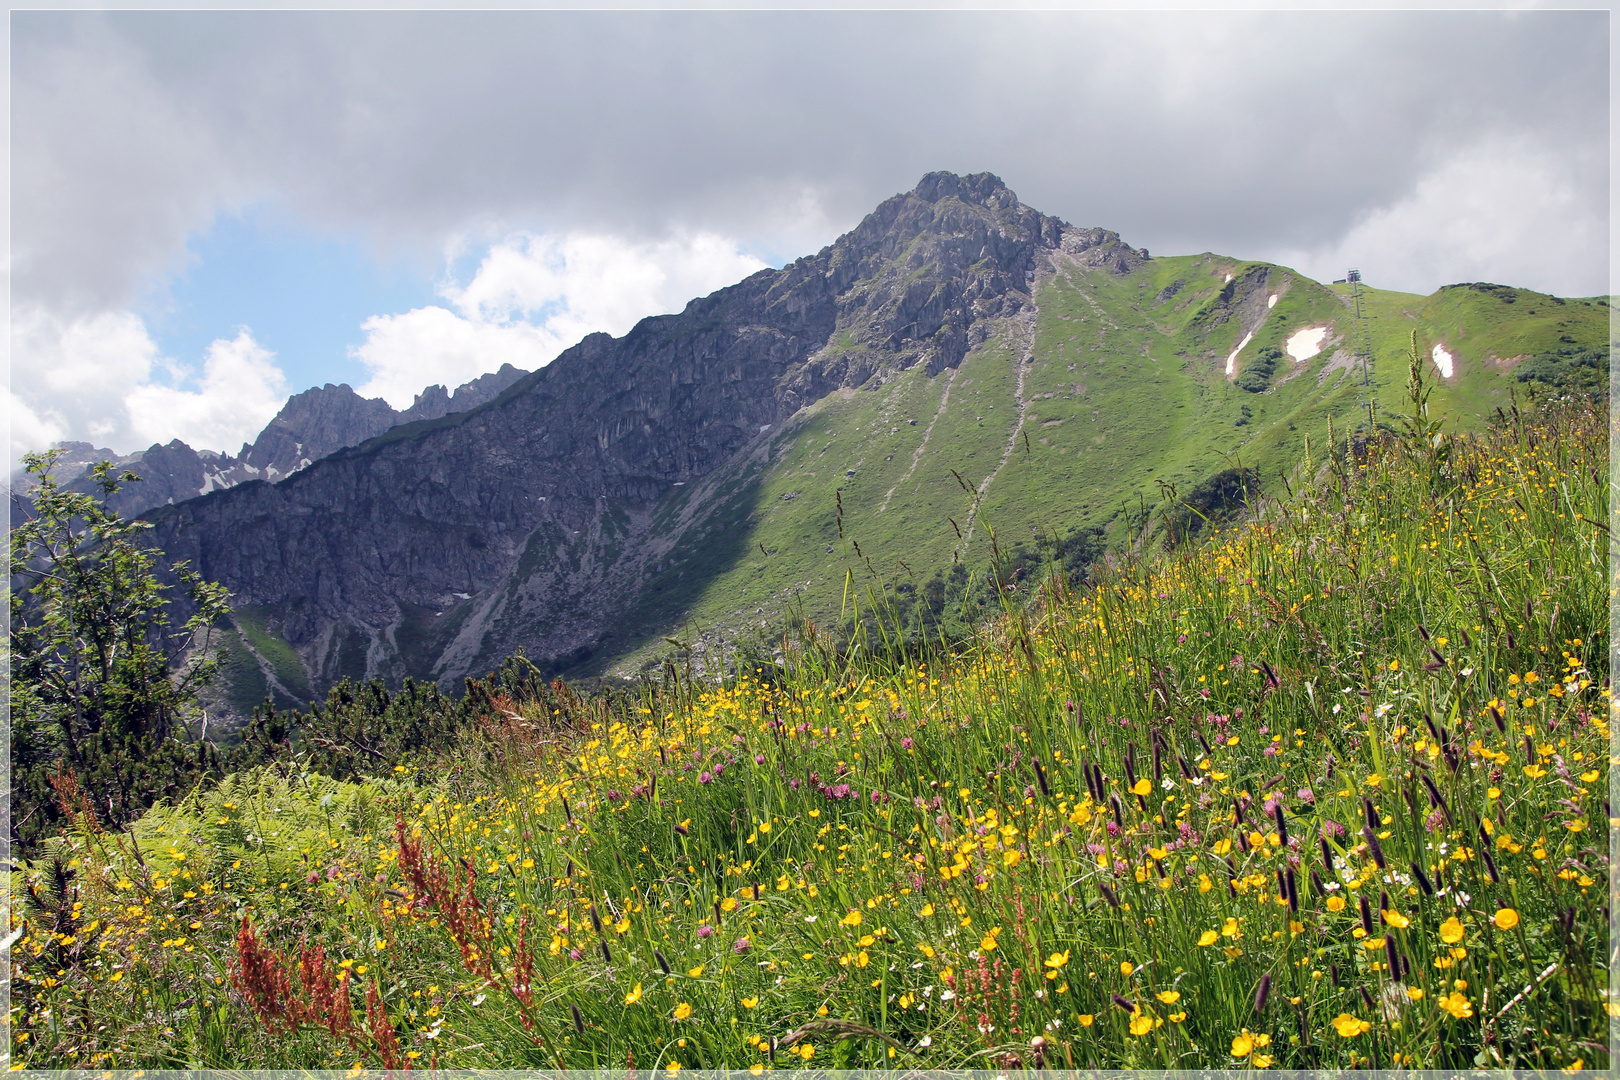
x: 1256, y: 374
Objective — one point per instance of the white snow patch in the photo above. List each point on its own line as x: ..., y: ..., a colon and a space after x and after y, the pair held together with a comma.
x: 1306, y: 343
x: 1443, y: 361
x: 1271, y: 301
x: 1231, y: 361
x: 1228, y: 279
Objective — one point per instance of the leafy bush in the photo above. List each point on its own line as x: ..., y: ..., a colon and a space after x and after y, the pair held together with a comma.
x: 1215, y: 501
x: 1568, y: 370
x: 369, y: 730
x: 103, y: 683
x: 1257, y: 371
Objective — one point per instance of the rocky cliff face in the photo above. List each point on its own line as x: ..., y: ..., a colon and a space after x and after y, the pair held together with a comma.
x: 439, y: 546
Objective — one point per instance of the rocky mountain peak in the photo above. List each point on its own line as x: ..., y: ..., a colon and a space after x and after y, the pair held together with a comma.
x: 313, y: 424
x: 916, y: 275
x: 507, y: 524
x: 985, y: 189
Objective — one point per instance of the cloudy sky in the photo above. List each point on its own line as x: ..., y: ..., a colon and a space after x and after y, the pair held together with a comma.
x: 212, y: 210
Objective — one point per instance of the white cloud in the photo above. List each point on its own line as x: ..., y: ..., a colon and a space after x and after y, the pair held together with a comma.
x: 101, y: 379
x: 240, y: 390
x: 428, y: 345
x: 1510, y: 211
x: 133, y: 129
x: 69, y: 377
x: 533, y: 296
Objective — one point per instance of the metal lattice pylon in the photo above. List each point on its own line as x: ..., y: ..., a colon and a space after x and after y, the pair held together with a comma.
x: 1364, y: 351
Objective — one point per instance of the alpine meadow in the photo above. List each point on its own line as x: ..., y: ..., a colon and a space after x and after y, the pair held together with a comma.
x: 982, y: 644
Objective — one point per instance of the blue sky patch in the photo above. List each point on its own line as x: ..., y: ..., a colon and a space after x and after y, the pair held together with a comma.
x: 302, y: 295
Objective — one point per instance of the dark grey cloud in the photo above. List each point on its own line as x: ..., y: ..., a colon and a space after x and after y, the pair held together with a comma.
x: 1256, y: 134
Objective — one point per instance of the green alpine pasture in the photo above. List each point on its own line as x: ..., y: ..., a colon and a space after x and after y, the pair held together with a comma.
x: 1105, y: 411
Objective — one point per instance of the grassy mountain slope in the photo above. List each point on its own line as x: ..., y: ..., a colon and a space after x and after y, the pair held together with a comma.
x: 1065, y: 422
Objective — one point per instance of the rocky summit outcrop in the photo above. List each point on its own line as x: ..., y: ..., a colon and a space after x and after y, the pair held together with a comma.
x: 312, y: 425
x: 328, y: 418
x: 440, y: 546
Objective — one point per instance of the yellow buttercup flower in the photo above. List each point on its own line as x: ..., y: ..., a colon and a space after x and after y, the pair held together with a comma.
x: 1208, y: 937
x: 1506, y: 919
x: 1141, y: 1024
x: 1169, y: 997
x: 1143, y: 786
x: 1451, y: 931
x: 750, y: 1002
x: 633, y: 996
x: 1457, y: 1005
x: 1243, y: 1044
x: 1349, y: 1026
x: 682, y: 1011
x: 1057, y: 960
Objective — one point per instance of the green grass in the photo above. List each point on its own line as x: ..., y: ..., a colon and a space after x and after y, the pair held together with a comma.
x: 1128, y: 401
x: 255, y: 626
x: 240, y: 677
x: 1392, y: 683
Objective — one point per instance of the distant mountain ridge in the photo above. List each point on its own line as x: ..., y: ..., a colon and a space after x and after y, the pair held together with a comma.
x: 309, y: 426
x: 955, y: 364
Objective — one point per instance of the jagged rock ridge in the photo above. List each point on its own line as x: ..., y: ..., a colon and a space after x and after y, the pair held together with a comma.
x: 310, y: 426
